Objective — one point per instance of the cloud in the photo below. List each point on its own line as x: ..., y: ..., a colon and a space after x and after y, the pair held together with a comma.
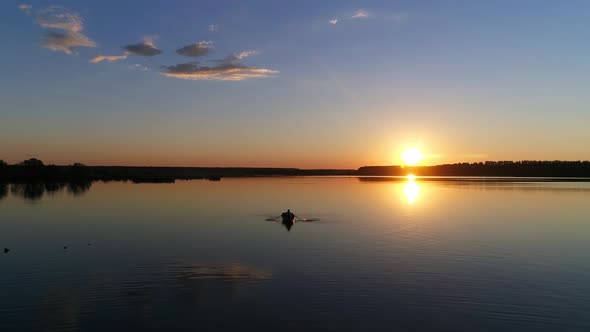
x: 59, y: 18
x: 396, y: 17
x: 229, y: 69
x: 25, y: 8
x: 235, y: 58
x: 109, y: 58
x: 137, y: 66
x: 196, y: 49
x: 65, y: 42
x: 360, y: 14
x: 223, y: 72
x: 70, y: 25
x: 146, y: 48
x: 213, y: 27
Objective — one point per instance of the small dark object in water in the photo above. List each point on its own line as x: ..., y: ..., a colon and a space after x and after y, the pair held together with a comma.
x: 89, y: 244
x: 288, y: 216
x: 288, y: 223
x: 213, y: 177
x: 288, y: 219
x: 6, y: 250
x: 65, y: 247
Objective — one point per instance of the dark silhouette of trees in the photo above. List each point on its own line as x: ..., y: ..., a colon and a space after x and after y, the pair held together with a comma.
x: 524, y: 168
x: 3, y: 163
x: 79, y: 171
x: 33, y: 162
x: 34, y: 170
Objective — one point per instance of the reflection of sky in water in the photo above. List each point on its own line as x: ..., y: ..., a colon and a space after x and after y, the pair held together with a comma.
x: 144, y: 291
x: 488, y: 256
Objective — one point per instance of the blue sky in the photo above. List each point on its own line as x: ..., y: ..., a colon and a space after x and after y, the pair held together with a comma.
x: 461, y: 80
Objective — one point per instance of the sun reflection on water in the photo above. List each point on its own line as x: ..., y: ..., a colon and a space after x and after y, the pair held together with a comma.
x: 411, y: 189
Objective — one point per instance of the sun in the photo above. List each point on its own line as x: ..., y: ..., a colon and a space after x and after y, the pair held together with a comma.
x: 411, y: 156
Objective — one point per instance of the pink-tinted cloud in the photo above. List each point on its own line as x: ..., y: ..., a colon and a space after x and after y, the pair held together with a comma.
x: 109, y: 58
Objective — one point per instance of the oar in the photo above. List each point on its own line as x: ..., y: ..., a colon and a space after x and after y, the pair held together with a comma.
x: 307, y: 219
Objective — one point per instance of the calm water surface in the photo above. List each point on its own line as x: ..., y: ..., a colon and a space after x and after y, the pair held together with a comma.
x: 385, y: 255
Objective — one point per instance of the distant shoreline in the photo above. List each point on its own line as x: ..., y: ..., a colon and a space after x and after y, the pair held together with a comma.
x: 35, y: 170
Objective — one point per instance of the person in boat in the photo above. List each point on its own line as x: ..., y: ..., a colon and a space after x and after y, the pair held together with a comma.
x: 288, y: 219
x: 288, y: 215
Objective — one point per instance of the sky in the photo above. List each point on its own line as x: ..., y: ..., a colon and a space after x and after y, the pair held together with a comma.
x: 309, y: 84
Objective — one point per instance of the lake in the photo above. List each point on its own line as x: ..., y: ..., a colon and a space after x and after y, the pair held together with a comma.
x: 379, y: 254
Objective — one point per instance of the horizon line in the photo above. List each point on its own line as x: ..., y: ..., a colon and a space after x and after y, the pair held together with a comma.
x: 320, y: 168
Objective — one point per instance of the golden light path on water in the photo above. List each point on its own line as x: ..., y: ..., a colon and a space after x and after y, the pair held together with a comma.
x: 411, y: 189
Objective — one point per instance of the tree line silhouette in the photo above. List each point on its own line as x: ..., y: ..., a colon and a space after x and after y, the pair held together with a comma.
x: 34, y: 170
x: 31, y: 179
x: 524, y: 168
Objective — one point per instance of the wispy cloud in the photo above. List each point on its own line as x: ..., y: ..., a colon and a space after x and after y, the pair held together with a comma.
x: 146, y: 48
x: 225, y: 72
x: 397, y: 17
x: 109, y: 58
x: 25, y: 8
x: 236, y: 57
x: 360, y: 14
x: 229, y: 69
x: 213, y: 27
x: 137, y: 66
x: 196, y: 49
x: 59, y: 18
x: 65, y: 42
x: 69, y: 24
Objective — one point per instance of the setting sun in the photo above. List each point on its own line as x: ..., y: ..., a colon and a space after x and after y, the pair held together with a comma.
x: 411, y: 156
